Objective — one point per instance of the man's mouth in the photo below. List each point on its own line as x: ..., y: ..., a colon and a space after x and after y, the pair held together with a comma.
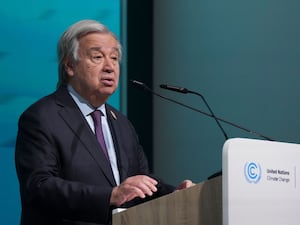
x: 108, y: 81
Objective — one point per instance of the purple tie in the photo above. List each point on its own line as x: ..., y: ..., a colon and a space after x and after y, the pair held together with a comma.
x: 96, y: 115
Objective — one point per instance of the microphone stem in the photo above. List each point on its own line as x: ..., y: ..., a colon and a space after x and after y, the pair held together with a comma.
x: 245, y: 129
x: 142, y: 85
x: 212, y: 114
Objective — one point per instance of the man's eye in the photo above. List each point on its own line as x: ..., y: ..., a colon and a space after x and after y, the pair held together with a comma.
x: 97, y: 57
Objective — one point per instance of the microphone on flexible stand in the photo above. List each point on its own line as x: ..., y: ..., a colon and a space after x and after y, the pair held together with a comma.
x: 145, y: 87
x: 186, y: 91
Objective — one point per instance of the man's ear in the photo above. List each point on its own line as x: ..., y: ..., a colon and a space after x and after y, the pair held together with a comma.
x: 69, y: 67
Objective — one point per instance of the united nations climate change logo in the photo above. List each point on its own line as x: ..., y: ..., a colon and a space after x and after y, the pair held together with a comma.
x: 252, y: 172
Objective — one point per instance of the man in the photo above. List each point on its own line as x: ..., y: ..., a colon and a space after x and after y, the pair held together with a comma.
x: 66, y: 174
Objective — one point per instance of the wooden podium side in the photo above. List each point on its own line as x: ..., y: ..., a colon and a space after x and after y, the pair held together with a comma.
x: 198, y: 205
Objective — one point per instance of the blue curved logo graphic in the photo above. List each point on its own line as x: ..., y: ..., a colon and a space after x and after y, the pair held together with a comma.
x: 252, y: 172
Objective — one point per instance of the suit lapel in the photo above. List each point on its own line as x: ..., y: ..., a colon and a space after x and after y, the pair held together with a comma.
x: 114, y: 124
x: 77, y: 123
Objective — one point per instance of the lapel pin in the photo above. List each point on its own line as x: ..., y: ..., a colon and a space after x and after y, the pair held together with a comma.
x: 113, y: 115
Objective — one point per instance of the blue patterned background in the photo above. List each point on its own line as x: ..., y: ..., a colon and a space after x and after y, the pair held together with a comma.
x: 28, y: 66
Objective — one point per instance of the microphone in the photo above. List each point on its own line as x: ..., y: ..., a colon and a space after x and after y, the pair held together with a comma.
x: 145, y: 87
x: 175, y: 88
x: 185, y: 91
x: 140, y: 84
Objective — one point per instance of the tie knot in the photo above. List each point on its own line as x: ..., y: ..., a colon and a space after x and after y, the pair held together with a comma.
x: 96, y: 115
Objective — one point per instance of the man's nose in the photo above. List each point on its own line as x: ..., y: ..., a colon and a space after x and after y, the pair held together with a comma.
x: 108, y: 65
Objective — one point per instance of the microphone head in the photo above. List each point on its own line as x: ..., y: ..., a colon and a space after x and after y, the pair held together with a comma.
x: 174, y: 88
x: 138, y: 83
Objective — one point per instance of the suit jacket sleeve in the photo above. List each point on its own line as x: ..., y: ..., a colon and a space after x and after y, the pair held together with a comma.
x: 136, y: 159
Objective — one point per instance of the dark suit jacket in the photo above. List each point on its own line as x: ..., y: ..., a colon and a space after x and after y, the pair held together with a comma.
x: 63, y: 174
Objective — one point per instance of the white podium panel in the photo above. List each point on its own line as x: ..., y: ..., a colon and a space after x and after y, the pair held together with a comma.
x: 261, y: 182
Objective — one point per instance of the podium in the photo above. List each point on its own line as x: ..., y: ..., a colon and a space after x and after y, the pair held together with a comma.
x: 197, y: 205
x: 260, y: 184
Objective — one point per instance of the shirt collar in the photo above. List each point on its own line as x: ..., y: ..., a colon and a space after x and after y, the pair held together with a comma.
x: 85, y: 107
